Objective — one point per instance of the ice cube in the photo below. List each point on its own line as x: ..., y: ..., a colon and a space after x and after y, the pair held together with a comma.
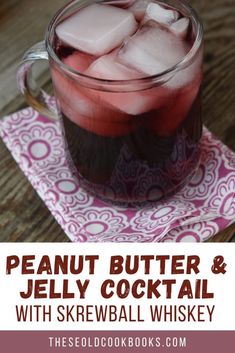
x: 136, y: 103
x: 106, y: 67
x: 136, y: 57
x: 123, y: 3
x: 105, y: 127
x: 69, y: 94
x: 160, y: 14
x: 97, y: 29
x: 138, y: 9
x: 79, y: 61
x: 133, y: 103
x: 152, y: 50
x: 180, y: 27
x: 83, y: 107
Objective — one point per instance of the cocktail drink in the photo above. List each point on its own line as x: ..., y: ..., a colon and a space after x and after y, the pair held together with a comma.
x: 127, y: 78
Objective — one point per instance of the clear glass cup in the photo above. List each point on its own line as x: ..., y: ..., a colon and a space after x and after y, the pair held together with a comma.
x: 121, y: 155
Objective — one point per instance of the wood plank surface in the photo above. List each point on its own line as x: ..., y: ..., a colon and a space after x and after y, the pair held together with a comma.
x: 23, y: 216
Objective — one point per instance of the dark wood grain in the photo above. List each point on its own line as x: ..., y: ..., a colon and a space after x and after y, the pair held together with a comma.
x: 23, y: 216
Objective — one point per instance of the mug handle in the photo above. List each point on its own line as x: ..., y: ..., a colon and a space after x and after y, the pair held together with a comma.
x: 34, y: 96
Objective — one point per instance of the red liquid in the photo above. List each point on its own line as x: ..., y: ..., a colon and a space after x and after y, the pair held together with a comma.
x: 125, y: 156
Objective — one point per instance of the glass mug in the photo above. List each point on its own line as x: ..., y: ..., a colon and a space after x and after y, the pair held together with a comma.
x: 130, y: 140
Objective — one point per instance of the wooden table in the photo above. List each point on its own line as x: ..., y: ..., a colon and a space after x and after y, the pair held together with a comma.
x: 23, y: 216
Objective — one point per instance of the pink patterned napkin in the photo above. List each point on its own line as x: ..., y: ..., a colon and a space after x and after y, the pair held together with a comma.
x: 200, y: 210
